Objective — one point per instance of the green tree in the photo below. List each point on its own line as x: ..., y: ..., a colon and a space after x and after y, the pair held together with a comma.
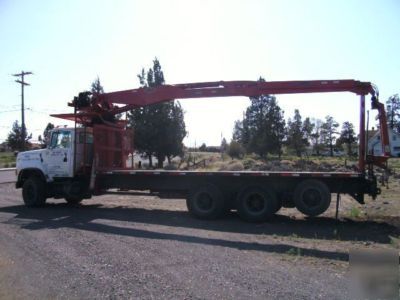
x: 329, y: 132
x: 262, y: 130
x: 203, y: 147
x: 307, y: 129
x: 224, y: 145
x: 15, y: 138
x: 393, y: 112
x: 46, y: 133
x: 235, y: 150
x: 159, y: 128
x: 347, y: 136
x: 96, y: 87
x: 296, y: 134
x: 316, y: 136
x: 238, y: 131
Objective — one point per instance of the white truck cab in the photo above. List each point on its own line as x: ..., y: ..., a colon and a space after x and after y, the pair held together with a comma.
x: 53, y: 167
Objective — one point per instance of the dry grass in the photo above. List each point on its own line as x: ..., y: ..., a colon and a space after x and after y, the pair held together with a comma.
x: 7, y: 160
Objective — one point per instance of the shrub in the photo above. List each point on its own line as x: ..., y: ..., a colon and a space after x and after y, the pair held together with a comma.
x: 171, y: 167
x: 235, y: 150
x: 248, y: 163
x: 232, y: 166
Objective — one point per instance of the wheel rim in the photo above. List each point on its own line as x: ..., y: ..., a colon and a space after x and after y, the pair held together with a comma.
x: 204, y: 202
x: 312, y: 198
x: 255, y: 203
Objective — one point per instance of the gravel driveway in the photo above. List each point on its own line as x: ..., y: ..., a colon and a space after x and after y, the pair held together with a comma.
x: 142, y: 247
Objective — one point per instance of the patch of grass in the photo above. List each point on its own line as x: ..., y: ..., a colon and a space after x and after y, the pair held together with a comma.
x: 355, y: 212
x: 394, y: 164
x: 394, y: 242
x: 294, y: 251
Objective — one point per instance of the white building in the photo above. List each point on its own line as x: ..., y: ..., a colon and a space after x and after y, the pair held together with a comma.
x: 374, y: 143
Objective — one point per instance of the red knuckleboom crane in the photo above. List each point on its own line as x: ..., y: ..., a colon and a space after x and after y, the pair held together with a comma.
x: 100, y: 108
x: 93, y: 159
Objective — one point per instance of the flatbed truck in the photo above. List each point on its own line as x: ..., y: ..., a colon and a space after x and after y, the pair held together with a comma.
x: 91, y: 159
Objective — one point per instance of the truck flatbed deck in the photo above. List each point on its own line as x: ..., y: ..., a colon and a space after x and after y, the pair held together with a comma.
x: 229, y: 173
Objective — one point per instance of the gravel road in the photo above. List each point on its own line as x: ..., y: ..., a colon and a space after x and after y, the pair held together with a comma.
x: 145, y: 248
x: 7, y: 176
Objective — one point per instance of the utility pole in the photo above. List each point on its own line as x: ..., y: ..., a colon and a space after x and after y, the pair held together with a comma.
x: 23, y: 83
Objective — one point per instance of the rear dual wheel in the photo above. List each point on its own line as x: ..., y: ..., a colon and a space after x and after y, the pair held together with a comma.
x: 206, y: 202
x: 256, y: 204
x: 312, y: 197
x: 74, y: 192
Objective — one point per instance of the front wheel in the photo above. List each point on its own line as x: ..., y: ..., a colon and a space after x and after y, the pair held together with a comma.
x: 34, y: 192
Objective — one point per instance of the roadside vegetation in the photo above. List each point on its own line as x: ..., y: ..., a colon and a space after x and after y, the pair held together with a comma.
x: 7, y: 160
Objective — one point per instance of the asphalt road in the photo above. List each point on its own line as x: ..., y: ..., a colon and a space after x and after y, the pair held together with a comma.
x: 140, y: 247
x: 7, y: 176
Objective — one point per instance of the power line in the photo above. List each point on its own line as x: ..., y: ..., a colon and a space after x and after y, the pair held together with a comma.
x: 23, y: 83
x: 7, y: 111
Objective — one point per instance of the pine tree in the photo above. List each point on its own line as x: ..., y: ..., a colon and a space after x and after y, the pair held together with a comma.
x: 347, y: 136
x: 159, y: 128
x: 263, y: 127
x: 308, y: 128
x: 203, y: 147
x: 46, y: 133
x: 237, y: 135
x: 393, y: 112
x: 329, y: 132
x: 296, y: 135
x: 96, y: 87
x: 15, y: 138
x: 316, y: 136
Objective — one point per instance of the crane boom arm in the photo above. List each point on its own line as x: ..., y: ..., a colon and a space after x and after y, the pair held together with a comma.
x: 147, y: 96
x: 89, y: 108
x: 105, y: 103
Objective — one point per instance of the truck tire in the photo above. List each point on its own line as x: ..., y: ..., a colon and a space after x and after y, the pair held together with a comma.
x: 312, y: 197
x: 206, y: 202
x: 278, y: 206
x: 73, y: 200
x: 256, y: 204
x: 74, y: 192
x: 34, y: 192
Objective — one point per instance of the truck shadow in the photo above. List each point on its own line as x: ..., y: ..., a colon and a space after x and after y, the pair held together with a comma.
x: 86, y: 217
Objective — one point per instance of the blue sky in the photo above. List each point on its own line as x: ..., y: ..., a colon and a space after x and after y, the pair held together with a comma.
x: 68, y: 43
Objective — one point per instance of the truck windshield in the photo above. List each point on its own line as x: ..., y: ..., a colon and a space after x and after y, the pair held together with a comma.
x: 61, y: 139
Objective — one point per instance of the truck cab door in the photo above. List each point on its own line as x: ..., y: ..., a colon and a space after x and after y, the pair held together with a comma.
x: 58, y: 157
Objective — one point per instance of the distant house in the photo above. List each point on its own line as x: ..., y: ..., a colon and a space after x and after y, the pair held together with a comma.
x: 35, y: 145
x: 374, y: 143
